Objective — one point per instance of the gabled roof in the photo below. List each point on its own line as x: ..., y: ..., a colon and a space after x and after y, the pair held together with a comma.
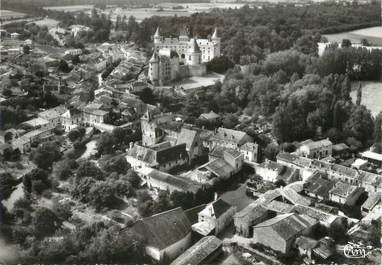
x: 164, y: 229
x: 295, y: 198
x: 288, y: 225
x: 343, y: 189
x: 234, y: 136
x: 279, y: 207
x: 216, y: 208
x: 187, y: 137
x: 198, y: 253
x: 373, y: 199
x: 252, y: 211
x: 317, y: 144
x: 209, y: 116
x: 306, y: 242
x: 318, y: 185
x: 219, y: 167
x: 53, y: 112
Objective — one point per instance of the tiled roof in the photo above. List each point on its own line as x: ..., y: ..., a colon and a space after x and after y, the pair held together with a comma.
x: 295, y: 198
x: 209, y: 116
x: 373, y: 199
x: 306, y: 242
x: 52, y: 113
x: 220, y: 207
x: 164, y: 229
x: 219, y: 167
x: 198, y: 253
x: 187, y: 137
x: 343, y: 189
x: 288, y: 225
x: 317, y: 144
x: 279, y: 207
x: 318, y: 186
x: 229, y: 135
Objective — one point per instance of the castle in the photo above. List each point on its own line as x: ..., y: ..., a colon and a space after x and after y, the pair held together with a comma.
x: 176, y: 58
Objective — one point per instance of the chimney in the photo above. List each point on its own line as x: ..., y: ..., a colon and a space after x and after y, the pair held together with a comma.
x: 215, y: 196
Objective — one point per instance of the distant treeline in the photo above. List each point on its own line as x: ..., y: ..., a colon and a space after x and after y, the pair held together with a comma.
x: 91, y: 2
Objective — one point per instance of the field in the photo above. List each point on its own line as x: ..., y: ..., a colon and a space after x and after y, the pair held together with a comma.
x: 371, y: 96
x: 74, y: 8
x: 163, y: 9
x: 7, y: 14
x: 373, y: 35
x: 50, y: 23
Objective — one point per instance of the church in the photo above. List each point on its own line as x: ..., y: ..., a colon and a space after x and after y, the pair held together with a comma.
x: 177, y: 58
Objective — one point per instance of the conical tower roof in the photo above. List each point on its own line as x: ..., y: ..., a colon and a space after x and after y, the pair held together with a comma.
x: 215, y: 34
x: 154, y: 57
x: 157, y: 33
x: 194, y: 46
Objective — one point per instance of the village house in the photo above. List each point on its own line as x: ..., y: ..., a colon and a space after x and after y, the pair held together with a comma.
x: 37, y: 123
x: 341, y: 150
x: 71, y: 119
x: 280, y: 232
x: 202, y: 252
x: 162, y: 156
x: 250, y: 151
x: 215, y: 217
x: 318, y: 187
x: 373, y: 158
x: 155, y: 179
x: 228, y: 138
x: 24, y: 142
x: 372, y: 200
x: 325, y: 219
x: 273, y: 172
x: 225, y: 167
x: 345, y: 193
x: 305, y: 246
x: 167, y: 234
x: 53, y: 115
x: 211, y: 117
x: 315, y: 149
x: 251, y: 215
x: 191, y: 138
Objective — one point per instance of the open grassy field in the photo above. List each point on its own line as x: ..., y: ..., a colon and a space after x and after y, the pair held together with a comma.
x: 373, y: 35
x: 74, y: 8
x: 371, y: 96
x: 7, y: 14
x: 50, y: 23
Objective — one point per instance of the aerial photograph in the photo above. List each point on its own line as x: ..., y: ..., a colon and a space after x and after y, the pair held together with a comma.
x: 190, y: 132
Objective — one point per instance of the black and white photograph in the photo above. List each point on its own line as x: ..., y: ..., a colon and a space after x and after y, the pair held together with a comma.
x: 190, y: 132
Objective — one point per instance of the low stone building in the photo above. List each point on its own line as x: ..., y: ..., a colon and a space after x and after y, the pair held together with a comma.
x: 202, y: 252
x: 216, y: 216
x: 280, y: 232
x: 344, y: 193
x: 251, y: 215
x: 167, y: 234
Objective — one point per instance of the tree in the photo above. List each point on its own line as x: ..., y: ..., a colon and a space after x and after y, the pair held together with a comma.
x: 105, y: 144
x: 45, y: 222
x: 271, y: 151
x: 88, y: 169
x: 46, y: 154
x: 360, y: 124
x: 7, y: 185
x: 36, y: 181
x: 117, y: 164
x: 64, y: 169
x: 359, y: 95
x: 63, y: 66
x: 26, y: 49
x: 219, y: 65
x: 101, y: 195
x: 133, y: 178
x: 76, y: 60
x: 76, y: 133
x: 346, y: 43
x: 230, y: 120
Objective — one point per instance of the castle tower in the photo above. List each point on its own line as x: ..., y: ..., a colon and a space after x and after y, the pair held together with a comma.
x: 157, y: 37
x: 154, y: 68
x: 193, y: 53
x: 183, y: 36
x: 216, y: 40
